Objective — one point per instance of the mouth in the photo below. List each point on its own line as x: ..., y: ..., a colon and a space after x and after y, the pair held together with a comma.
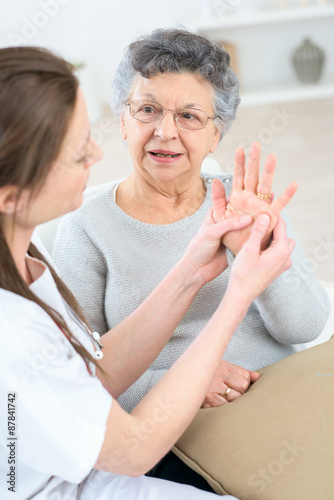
x: 159, y: 153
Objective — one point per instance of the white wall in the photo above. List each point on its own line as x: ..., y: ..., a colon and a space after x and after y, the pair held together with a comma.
x: 97, y: 31
x: 93, y: 31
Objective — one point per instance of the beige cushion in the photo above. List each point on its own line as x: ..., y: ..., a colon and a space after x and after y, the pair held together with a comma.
x: 276, y: 442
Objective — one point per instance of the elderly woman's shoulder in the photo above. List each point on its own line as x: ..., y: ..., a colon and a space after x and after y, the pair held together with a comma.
x: 99, y: 195
x: 98, y: 201
x: 224, y: 177
x: 95, y: 194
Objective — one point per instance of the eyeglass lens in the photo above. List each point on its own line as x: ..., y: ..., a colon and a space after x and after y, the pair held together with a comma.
x: 190, y: 118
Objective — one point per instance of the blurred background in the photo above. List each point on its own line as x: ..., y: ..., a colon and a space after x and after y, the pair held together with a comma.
x: 282, y: 51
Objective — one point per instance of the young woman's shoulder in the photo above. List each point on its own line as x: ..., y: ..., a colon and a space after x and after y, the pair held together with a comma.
x: 14, y: 307
x: 23, y: 319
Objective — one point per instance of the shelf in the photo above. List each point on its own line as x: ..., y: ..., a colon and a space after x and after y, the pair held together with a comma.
x: 265, y: 17
x: 287, y: 93
x: 253, y: 93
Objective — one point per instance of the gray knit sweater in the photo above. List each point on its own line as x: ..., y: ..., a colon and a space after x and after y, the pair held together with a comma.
x: 112, y: 262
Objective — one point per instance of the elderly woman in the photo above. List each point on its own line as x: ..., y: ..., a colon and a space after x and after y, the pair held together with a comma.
x: 177, y: 96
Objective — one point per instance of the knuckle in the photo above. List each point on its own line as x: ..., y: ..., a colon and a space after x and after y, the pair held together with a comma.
x: 244, y: 385
x: 210, y: 398
x: 258, y: 231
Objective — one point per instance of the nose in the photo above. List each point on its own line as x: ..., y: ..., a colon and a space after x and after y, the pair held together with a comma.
x: 166, y: 127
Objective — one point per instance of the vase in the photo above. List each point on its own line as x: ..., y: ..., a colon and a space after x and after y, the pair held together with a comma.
x: 308, y: 61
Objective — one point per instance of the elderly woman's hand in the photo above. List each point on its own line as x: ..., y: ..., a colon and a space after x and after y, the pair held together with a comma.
x: 249, y: 196
x: 230, y: 382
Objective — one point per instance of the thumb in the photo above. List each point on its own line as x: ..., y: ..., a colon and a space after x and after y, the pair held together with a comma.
x: 254, y: 376
x: 218, y: 197
x: 259, y: 229
x: 232, y: 224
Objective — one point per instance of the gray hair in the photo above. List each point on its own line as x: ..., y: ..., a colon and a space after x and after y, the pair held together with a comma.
x: 177, y: 51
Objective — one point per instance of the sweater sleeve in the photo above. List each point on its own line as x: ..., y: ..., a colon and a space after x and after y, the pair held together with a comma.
x: 83, y: 268
x: 295, y: 307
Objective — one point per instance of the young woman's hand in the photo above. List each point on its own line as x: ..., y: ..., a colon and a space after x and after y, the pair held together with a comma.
x: 206, y: 253
x: 250, y: 196
x: 253, y: 269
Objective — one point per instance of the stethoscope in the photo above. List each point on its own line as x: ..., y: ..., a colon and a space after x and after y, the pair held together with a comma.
x: 94, y: 336
x: 98, y: 354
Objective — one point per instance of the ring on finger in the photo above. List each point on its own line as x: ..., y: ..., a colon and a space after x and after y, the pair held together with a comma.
x: 226, y: 393
x: 265, y: 197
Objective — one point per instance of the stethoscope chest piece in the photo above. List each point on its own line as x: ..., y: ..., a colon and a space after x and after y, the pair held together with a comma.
x: 98, y: 354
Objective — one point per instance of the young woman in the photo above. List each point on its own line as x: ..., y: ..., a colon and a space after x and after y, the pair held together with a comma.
x: 64, y: 435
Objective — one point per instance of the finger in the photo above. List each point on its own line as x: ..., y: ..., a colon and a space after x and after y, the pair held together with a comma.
x: 279, y: 234
x: 279, y: 231
x: 231, y: 394
x: 253, y: 166
x: 267, y: 178
x: 232, y: 224
x: 241, y: 384
x: 280, y: 239
x: 219, y: 202
x: 254, y: 376
x: 239, y: 380
x: 258, y: 232
x: 239, y: 169
x: 213, y: 401
x: 282, y: 201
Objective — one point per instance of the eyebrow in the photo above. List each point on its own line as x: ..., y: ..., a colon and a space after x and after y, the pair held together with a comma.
x: 189, y: 105
x: 151, y: 96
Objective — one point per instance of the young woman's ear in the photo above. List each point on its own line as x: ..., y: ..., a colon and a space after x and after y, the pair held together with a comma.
x: 9, y: 201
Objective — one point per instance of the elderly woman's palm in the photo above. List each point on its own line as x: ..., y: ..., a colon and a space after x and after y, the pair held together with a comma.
x: 244, y: 198
x: 245, y: 202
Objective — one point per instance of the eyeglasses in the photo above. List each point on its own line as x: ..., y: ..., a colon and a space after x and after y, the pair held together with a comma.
x: 149, y: 112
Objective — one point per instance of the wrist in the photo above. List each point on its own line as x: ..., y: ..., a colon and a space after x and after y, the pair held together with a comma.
x: 237, y: 300
x: 189, y: 274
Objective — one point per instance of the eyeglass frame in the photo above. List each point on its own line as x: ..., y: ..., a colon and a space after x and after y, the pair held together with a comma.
x: 128, y: 103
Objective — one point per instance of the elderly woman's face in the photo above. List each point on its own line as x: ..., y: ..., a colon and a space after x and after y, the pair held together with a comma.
x: 162, y: 149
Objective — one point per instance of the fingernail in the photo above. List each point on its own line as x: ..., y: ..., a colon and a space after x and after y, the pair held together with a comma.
x: 253, y: 152
x: 264, y: 219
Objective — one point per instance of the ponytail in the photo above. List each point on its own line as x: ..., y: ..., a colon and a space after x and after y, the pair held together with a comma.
x: 37, y: 98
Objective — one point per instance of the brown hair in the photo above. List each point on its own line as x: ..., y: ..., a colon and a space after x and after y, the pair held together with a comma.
x: 37, y: 98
